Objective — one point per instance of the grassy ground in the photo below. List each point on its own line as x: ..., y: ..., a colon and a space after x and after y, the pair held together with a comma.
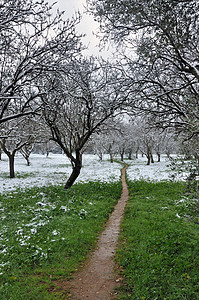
x: 159, y: 243
x: 46, y: 233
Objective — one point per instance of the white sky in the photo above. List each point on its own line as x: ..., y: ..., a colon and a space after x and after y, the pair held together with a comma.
x: 87, y: 26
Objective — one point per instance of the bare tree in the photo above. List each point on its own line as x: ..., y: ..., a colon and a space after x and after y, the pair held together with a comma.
x: 32, y: 42
x: 109, y: 141
x: 26, y: 150
x: 163, y: 74
x: 33, y: 132
x: 87, y: 95
x: 16, y: 134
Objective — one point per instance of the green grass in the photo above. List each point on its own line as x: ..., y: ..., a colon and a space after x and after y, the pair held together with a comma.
x: 46, y: 233
x: 158, y: 253
x: 19, y: 175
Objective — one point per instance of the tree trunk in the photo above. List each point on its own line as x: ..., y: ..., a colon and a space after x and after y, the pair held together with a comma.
x: 0, y: 154
x: 168, y: 154
x: 77, y: 165
x: 148, y: 159
x: 100, y: 155
x: 11, y: 165
x: 111, y: 157
x: 148, y: 155
x: 122, y: 156
x: 130, y: 155
x: 136, y: 153
x: 75, y: 173
x: 27, y: 158
x: 11, y: 156
x: 158, y: 154
x: 152, y: 160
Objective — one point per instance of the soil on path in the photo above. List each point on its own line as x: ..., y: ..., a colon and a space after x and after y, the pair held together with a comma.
x: 97, y: 278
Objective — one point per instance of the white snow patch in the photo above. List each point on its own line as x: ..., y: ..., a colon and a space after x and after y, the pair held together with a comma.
x: 157, y: 171
x: 54, y: 170
x: 55, y: 232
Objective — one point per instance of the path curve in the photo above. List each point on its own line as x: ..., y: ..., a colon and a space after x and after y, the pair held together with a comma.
x: 97, y: 279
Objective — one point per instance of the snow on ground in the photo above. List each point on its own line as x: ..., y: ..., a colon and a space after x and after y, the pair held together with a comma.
x: 56, y: 168
x: 157, y: 171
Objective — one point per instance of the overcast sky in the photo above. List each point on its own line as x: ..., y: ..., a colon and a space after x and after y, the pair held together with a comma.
x: 87, y: 26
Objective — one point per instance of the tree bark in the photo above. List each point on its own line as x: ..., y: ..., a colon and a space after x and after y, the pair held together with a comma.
x: 148, y: 155
x: 122, y: 156
x: 77, y: 165
x: 130, y: 155
x: 11, y: 157
x: 11, y: 165
x: 158, y: 154
x: 75, y: 173
x: 152, y: 160
x: 168, y: 154
x: 27, y: 158
x: 100, y: 155
x: 136, y: 153
x: 148, y: 160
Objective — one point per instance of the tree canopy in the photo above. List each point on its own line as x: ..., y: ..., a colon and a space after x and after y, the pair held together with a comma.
x: 163, y: 71
x: 32, y: 41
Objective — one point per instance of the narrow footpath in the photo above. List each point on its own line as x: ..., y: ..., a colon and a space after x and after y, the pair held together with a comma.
x: 97, y: 279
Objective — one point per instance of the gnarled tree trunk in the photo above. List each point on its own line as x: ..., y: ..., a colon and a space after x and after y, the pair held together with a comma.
x: 76, y: 165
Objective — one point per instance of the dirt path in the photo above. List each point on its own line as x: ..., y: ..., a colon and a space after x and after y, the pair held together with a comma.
x: 97, y: 278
